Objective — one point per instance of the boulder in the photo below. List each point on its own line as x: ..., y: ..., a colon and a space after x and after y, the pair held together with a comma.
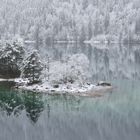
x: 55, y: 86
x: 102, y: 83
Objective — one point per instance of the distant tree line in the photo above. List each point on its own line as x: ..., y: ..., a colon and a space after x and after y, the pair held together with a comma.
x: 45, y: 21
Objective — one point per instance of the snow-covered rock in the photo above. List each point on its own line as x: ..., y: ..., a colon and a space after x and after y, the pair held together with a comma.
x: 69, y: 89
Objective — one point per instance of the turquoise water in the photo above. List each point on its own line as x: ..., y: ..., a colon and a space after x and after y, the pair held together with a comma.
x: 33, y: 116
x: 115, y: 116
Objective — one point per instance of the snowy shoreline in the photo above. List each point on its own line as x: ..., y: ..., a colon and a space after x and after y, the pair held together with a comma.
x: 89, y: 90
x: 85, y: 91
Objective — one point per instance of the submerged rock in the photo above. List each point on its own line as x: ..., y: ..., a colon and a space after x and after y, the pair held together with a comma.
x: 102, y: 83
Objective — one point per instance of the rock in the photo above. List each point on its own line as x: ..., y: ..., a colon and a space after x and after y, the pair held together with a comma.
x: 102, y: 83
x: 52, y: 90
x: 88, y: 84
x: 55, y: 86
x: 16, y: 87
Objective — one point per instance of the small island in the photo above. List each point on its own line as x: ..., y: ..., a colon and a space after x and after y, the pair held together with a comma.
x: 45, y: 75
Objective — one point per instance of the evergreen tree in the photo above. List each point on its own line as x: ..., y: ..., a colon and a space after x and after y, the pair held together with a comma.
x: 137, y: 27
x: 106, y: 22
x: 32, y: 68
x: 90, y: 29
x: 12, y: 53
x: 82, y: 35
x: 11, y: 56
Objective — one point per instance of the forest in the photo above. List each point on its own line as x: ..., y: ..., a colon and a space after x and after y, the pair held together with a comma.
x: 48, y: 21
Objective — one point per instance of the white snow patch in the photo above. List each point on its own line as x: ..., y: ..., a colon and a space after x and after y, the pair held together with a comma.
x: 62, y: 89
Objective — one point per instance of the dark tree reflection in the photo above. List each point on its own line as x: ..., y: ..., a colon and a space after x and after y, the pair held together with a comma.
x: 33, y: 105
x: 13, y: 102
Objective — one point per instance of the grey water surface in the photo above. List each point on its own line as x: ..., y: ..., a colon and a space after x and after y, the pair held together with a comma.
x: 115, y: 116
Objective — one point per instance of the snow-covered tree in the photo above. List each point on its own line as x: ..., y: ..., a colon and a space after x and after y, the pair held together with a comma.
x: 11, y: 56
x: 13, y: 51
x: 45, y: 20
x: 78, y: 69
x: 32, y: 68
x: 74, y: 70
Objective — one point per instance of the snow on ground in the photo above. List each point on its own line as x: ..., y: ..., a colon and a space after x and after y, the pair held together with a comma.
x: 16, y: 80
x: 88, y: 90
x: 62, y: 89
x: 8, y: 80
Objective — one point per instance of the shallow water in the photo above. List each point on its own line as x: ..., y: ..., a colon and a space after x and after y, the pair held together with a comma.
x: 115, y: 116
x: 31, y: 116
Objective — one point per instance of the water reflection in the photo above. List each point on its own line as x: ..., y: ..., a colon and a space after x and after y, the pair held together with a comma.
x: 113, y: 117
x: 34, y: 105
x: 13, y: 102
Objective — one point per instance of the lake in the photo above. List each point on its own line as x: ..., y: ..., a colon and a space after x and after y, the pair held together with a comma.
x: 115, y: 116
